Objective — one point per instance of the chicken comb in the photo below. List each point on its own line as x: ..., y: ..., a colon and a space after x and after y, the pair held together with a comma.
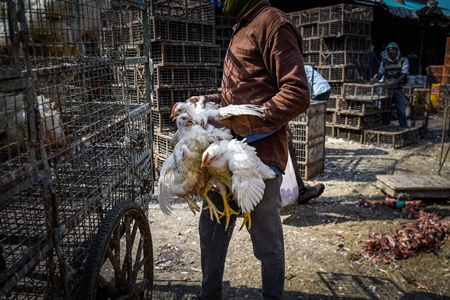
x: 174, y: 107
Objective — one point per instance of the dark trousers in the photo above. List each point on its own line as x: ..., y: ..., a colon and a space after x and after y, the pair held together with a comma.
x: 400, y: 102
x: 266, y: 234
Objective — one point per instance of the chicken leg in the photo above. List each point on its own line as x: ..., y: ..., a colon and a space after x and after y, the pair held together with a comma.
x: 191, y: 203
x: 247, y: 220
x: 213, y: 211
x: 227, y: 210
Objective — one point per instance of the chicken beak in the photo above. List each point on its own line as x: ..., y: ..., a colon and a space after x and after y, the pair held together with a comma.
x: 173, y: 116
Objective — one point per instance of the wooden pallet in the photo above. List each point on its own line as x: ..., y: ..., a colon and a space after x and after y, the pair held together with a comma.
x: 416, y: 186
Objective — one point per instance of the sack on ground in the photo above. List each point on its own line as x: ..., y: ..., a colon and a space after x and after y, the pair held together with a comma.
x: 289, y: 187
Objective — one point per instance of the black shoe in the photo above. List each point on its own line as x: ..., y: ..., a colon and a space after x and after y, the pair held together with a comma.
x: 310, y: 192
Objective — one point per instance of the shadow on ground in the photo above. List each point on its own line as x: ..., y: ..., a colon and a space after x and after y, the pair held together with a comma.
x: 338, y: 286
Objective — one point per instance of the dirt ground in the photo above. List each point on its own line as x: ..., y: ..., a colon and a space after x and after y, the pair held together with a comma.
x: 322, y: 238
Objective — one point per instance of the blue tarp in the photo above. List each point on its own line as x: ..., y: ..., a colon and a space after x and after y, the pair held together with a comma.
x: 409, y: 8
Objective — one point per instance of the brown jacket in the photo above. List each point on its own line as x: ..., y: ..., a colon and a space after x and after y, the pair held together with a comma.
x: 264, y: 65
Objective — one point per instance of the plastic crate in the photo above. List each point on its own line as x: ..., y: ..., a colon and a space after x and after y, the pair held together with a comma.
x: 310, y: 170
x: 312, y: 151
x: 344, y: 28
x: 360, y: 122
x: 363, y: 108
x: 348, y: 134
x: 346, y: 12
x: 311, y: 45
x: 185, y: 54
x: 347, y: 43
x: 162, y: 121
x: 161, y: 144
x: 366, y: 91
x: 198, y: 10
x: 344, y: 58
x: 391, y: 137
x: 332, y: 103
x: 342, y: 73
x: 177, y: 77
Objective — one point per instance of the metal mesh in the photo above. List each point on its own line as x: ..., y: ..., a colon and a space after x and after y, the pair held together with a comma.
x: 346, y: 12
x: 366, y: 92
x: 75, y: 135
x: 308, y: 137
x: 359, y: 122
x: 391, y: 137
x: 364, y: 108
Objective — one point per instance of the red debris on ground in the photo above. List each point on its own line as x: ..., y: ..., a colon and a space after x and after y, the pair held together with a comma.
x: 427, y: 234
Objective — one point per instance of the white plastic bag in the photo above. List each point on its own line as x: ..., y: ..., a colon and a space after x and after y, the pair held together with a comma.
x: 289, y: 186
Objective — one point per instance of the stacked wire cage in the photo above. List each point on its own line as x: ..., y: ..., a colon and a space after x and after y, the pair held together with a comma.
x: 185, y: 60
x: 224, y: 30
x: 308, y: 137
x: 362, y: 106
x: 76, y: 169
x: 336, y: 40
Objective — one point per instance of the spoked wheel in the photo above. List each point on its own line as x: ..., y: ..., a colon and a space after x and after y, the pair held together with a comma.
x: 120, y: 260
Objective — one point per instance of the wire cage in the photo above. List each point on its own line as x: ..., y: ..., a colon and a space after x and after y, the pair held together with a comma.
x: 76, y: 169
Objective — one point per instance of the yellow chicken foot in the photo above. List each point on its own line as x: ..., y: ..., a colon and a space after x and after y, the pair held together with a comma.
x: 213, y: 211
x: 192, y: 205
x: 227, y: 210
x: 247, y: 220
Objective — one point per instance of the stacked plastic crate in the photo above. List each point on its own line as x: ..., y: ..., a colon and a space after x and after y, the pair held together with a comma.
x: 308, y: 136
x: 122, y: 39
x: 362, y: 106
x: 336, y: 40
x: 185, y: 61
x: 224, y: 30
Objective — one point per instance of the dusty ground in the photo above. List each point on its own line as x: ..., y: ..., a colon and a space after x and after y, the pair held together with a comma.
x: 322, y: 238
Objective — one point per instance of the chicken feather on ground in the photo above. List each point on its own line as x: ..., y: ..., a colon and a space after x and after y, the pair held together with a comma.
x: 181, y: 173
x: 236, y: 164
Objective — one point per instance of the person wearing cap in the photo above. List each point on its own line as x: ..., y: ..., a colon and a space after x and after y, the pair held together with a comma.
x: 395, y: 69
x: 263, y: 66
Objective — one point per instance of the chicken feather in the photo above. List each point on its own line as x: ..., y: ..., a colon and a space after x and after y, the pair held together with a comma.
x: 181, y: 173
x: 236, y: 164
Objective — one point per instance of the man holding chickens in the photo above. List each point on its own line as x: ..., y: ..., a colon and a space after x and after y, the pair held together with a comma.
x: 263, y: 66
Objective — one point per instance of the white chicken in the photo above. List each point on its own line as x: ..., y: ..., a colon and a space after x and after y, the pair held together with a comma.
x: 236, y: 164
x: 181, y: 174
x: 13, y: 123
x: 202, y: 110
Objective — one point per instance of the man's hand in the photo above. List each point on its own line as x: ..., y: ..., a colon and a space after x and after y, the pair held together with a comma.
x: 220, y: 123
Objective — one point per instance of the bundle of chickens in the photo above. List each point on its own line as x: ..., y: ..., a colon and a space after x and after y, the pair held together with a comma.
x: 425, y: 235
x: 208, y: 158
x: 14, y: 123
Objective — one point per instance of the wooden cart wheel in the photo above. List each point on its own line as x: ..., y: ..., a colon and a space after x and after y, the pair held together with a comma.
x: 120, y: 261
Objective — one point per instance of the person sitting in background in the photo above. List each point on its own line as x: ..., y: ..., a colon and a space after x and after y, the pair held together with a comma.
x: 395, y: 69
